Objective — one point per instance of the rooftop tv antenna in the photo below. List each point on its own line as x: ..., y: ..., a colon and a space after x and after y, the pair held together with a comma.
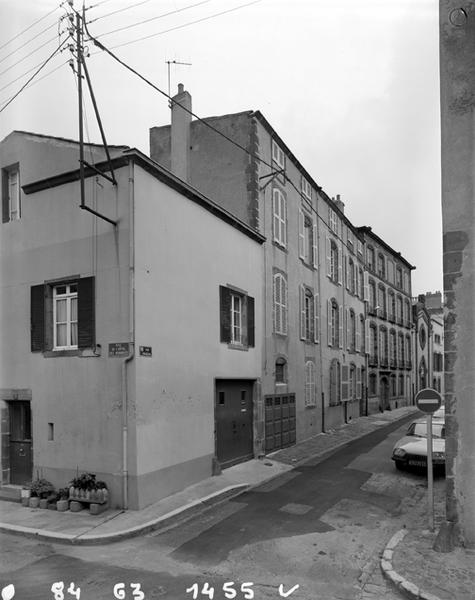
x: 174, y: 62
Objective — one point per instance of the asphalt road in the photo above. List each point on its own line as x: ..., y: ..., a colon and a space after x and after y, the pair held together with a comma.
x: 321, y: 527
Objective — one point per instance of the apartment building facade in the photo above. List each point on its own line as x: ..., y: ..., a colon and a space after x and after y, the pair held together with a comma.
x: 389, y: 325
x: 316, y: 333
x: 128, y: 349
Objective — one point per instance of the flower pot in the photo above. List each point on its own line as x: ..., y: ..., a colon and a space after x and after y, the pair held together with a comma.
x: 25, y: 501
x: 62, y: 505
x: 25, y: 493
x: 34, y: 502
x: 43, y: 503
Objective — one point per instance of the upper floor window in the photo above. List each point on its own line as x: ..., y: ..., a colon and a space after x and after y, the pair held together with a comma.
x: 308, y: 249
x: 362, y: 345
x: 351, y: 240
x: 280, y: 304
x: 408, y: 349
x: 372, y: 295
x: 390, y: 273
x: 373, y: 341
x: 391, y: 305
x: 334, y: 266
x: 382, y: 301
x: 280, y: 217
x: 63, y: 315
x: 399, y: 277
x: 359, y: 247
x: 333, y: 220
x: 437, y: 338
x: 392, y: 345
x: 335, y: 324
x: 236, y: 317
x: 422, y: 337
x: 10, y: 194
x: 277, y: 155
x: 309, y: 383
x: 335, y: 382
x: 351, y: 275
x: 381, y: 266
x: 399, y: 309
x: 407, y: 310
x: 383, y: 343
x: 306, y: 188
x: 351, y: 330
x: 370, y: 257
x: 309, y: 315
x: 361, y: 284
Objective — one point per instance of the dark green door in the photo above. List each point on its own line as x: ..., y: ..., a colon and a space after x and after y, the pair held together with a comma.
x: 21, y: 459
x: 234, y: 435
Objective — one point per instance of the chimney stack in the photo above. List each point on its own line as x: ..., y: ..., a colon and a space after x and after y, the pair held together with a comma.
x: 339, y: 203
x: 181, y: 134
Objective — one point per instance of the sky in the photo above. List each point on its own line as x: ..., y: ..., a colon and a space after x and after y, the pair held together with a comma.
x: 351, y: 87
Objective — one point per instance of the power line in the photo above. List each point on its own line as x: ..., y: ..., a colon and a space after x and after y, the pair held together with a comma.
x: 223, y: 135
x: 185, y: 25
x: 119, y: 10
x: 34, y: 75
x: 29, y: 27
x: 36, y: 80
x: 29, y: 54
x: 28, y: 42
x: 173, y: 12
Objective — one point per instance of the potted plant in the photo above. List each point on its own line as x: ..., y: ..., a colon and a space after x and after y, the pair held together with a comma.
x: 62, y: 502
x: 40, y: 489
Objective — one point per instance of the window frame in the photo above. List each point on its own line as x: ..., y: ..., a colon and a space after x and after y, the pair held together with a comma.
x: 279, y: 217
x: 68, y: 296
x: 11, y: 211
x: 310, y: 384
x: 280, y: 304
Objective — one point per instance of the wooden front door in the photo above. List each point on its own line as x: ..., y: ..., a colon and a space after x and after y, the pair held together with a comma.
x: 21, y: 451
x: 234, y: 421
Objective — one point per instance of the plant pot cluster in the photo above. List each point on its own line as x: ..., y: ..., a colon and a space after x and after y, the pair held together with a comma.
x: 84, y: 488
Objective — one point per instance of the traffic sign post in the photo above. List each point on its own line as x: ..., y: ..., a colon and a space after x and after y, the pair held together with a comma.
x: 429, y: 400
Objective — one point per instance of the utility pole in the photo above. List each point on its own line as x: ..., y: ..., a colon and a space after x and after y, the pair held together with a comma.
x: 79, y: 48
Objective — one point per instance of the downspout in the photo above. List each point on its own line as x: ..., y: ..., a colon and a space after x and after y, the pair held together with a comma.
x: 125, y: 496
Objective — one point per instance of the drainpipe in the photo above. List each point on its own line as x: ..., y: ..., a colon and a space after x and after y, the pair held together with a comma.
x: 127, y: 360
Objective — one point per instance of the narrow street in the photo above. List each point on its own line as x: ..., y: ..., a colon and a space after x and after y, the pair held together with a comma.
x: 321, y: 526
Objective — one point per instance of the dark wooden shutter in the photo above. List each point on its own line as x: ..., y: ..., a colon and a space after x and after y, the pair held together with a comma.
x: 37, y: 318
x: 345, y: 373
x: 250, y: 322
x: 5, y: 199
x: 86, y: 313
x: 225, y: 313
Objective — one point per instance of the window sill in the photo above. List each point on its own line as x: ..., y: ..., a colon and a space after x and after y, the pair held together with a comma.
x: 280, y: 246
x: 238, y: 347
x: 84, y: 353
x: 310, y: 406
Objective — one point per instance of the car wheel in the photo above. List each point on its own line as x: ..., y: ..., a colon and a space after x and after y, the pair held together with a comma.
x: 399, y: 465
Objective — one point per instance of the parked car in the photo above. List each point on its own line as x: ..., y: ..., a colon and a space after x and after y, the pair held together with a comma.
x: 439, y: 413
x: 411, y: 450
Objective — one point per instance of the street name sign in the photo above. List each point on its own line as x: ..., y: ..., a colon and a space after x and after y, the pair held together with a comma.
x: 428, y: 400
x: 120, y: 349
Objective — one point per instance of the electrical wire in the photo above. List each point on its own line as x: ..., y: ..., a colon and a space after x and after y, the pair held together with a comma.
x: 29, y: 54
x: 33, y: 76
x: 28, y: 41
x: 146, y: 37
x: 39, y: 78
x: 273, y: 173
x: 172, y: 12
x: 119, y: 10
x: 30, y: 26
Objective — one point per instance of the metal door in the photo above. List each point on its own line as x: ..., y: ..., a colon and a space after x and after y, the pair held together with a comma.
x: 21, y: 458
x: 234, y: 422
x: 280, y: 422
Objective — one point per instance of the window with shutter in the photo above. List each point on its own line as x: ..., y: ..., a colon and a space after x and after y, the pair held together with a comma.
x: 358, y: 383
x: 302, y: 311
x: 10, y: 193
x: 301, y: 234
x: 330, y: 322
x: 280, y: 217
x: 63, y: 315
x: 316, y: 312
x: 344, y: 383
x: 237, y: 319
x: 340, y: 328
x: 280, y: 304
x: 315, y: 247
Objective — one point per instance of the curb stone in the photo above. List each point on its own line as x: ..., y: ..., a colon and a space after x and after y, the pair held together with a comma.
x: 409, y: 589
x: 161, y: 523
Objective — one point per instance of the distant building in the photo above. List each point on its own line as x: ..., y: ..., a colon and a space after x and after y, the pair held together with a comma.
x: 130, y: 350
x: 435, y: 308
x: 389, y: 324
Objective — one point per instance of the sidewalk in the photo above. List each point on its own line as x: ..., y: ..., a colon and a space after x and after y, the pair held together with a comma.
x: 114, y: 525
x: 421, y: 573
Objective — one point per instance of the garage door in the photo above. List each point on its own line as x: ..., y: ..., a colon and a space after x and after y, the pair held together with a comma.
x: 280, y: 421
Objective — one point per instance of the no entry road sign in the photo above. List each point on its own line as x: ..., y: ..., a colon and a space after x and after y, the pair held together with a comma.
x: 428, y: 400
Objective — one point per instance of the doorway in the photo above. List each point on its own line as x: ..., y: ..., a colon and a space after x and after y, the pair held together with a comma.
x: 384, y: 391
x: 21, y: 448
x: 234, y: 421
